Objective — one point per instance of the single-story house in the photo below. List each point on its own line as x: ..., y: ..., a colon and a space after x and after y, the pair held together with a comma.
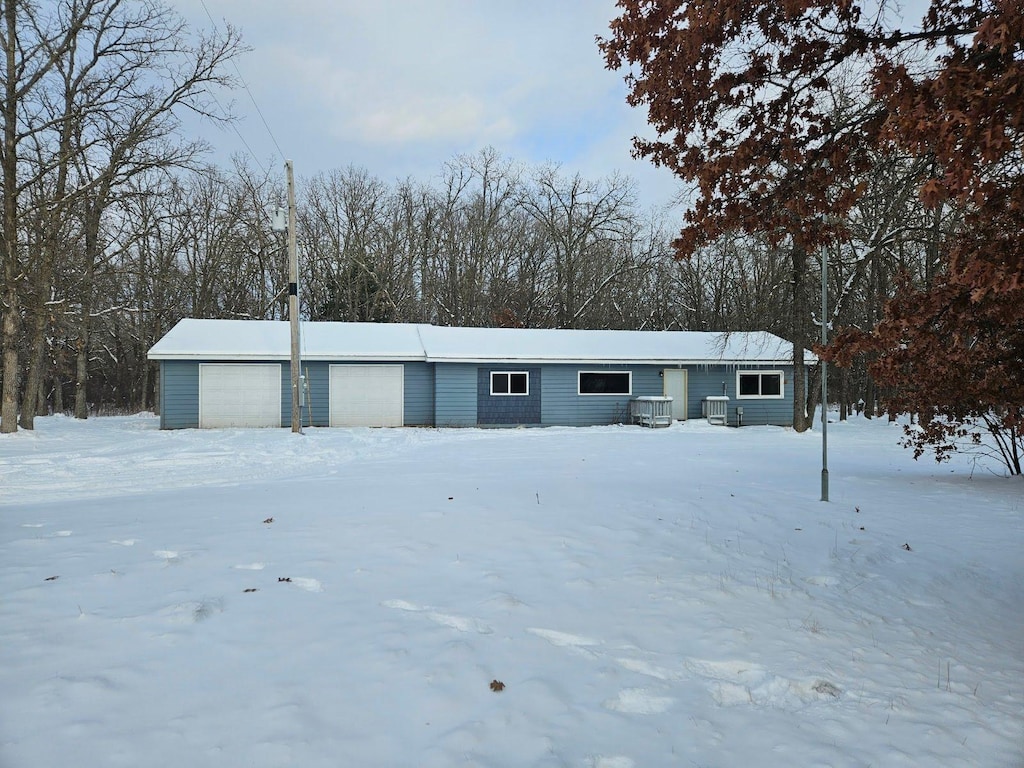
x: 236, y: 373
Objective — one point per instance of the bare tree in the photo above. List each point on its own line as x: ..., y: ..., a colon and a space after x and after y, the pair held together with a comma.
x: 97, y: 90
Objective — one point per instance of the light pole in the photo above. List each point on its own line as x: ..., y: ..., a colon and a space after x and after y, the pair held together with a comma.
x: 824, y: 375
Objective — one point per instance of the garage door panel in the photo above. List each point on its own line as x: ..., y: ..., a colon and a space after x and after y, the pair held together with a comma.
x: 367, y: 395
x: 239, y: 395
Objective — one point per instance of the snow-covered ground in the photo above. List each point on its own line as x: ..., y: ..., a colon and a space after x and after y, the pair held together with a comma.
x: 647, y: 597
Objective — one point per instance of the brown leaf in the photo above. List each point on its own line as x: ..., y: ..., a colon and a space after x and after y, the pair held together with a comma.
x: 497, y: 686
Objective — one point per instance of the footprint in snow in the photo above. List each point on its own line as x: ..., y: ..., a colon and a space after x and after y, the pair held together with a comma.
x: 651, y: 670
x: 310, y: 585
x: 639, y: 701
x: 458, y: 623
x: 575, y: 643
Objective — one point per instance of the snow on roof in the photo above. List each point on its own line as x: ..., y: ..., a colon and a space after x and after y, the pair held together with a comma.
x: 194, y: 339
x: 548, y: 345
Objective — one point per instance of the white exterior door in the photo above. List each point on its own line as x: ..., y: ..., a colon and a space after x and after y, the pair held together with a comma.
x: 239, y: 395
x: 367, y: 395
x: 675, y: 387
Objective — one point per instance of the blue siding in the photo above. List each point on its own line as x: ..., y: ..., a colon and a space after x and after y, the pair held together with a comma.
x: 286, y: 396
x: 315, y: 412
x: 561, y: 403
x: 419, y: 394
x: 707, y: 380
x: 451, y: 394
x: 508, y: 410
x: 455, y: 394
x: 179, y: 394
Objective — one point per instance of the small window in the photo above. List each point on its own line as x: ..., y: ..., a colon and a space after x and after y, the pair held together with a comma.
x: 505, y: 383
x: 759, y: 384
x: 605, y: 382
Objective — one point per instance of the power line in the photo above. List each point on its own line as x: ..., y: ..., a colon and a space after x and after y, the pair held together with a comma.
x: 252, y: 98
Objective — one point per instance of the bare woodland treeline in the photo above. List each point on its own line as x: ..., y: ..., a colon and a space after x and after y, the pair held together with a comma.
x: 113, y: 229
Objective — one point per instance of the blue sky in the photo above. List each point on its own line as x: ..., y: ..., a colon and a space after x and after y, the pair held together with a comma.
x: 400, y: 86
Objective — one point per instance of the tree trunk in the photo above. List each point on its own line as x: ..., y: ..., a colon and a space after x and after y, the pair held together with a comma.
x: 82, y: 372
x: 34, y: 378
x: 9, y: 229
x: 91, y: 239
x: 9, y: 339
x: 42, y: 402
x: 799, y: 315
x: 813, y: 392
x: 58, y: 394
x: 844, y: 394
x: 143, y: 400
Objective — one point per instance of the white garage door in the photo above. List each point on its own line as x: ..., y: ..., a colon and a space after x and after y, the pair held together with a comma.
x: 367, y: 395
x: 239, y: 395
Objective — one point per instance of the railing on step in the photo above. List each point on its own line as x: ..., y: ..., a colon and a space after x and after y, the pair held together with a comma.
x: 716, y: 409
x: 651, y: 411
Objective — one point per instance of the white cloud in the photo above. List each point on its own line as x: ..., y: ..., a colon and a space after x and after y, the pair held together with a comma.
x: 400, y: 86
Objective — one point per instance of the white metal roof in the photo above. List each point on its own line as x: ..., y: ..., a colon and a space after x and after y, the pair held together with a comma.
x: 194, y: 339
x: 554, y: 345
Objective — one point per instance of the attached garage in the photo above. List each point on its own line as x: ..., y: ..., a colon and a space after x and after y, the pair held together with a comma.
x: 239, y: 395
x: 367, y: 395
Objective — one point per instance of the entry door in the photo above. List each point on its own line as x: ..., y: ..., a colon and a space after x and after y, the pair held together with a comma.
x: 367, y: 395
x: 675, y: 387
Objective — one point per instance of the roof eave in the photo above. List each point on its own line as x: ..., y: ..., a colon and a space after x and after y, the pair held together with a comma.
x: 602, y: 361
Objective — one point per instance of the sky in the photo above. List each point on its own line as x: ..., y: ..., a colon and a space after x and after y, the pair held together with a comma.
x: 400, y: 87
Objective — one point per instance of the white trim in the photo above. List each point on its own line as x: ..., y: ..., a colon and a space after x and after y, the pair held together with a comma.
x: 510, y: 394
x: 759, y: 373
x: 553, y: 360
x: 579, y: 391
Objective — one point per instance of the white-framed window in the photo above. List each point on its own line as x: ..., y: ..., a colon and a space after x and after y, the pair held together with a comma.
x: 762, y: 384
x: 510, y: 383
x: 605, y: 383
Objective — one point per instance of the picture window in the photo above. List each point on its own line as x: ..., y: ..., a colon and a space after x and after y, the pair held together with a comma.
x: 605, y: 383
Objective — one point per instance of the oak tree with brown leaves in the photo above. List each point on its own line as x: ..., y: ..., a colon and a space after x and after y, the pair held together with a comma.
x: 744, y: 96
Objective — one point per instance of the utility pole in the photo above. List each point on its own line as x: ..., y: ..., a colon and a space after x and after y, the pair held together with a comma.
x: 293, y: 301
